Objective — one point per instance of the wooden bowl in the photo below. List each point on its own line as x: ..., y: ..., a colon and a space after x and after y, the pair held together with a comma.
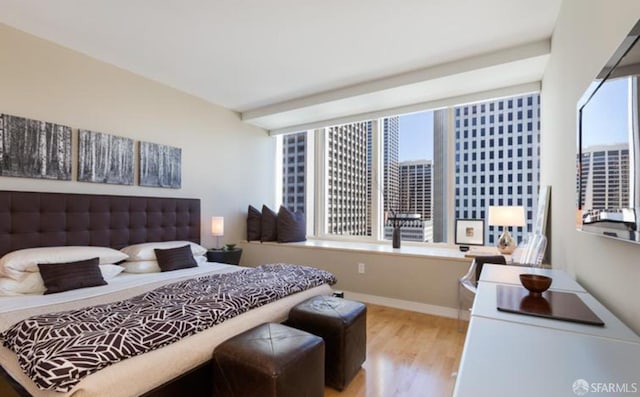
x: 535, y: 283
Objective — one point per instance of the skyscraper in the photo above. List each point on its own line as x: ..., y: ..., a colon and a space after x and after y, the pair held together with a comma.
x: 347, y: 190
x: 497, y: 159
x: 605, y: 177
x: 294, y: 160
x: 415, y: 198
x: 391, y: 170
x: 415, y: 188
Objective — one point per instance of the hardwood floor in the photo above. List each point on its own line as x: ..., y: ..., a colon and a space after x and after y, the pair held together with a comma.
x: 408, y: 354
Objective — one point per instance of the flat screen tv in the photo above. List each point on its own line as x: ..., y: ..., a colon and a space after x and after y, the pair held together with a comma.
x: 608, y: 162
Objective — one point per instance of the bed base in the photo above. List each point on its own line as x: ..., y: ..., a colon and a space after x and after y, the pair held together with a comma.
x: 195, y: 383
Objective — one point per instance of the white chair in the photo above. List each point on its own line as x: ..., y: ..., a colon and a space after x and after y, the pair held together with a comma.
x: 468, y: 284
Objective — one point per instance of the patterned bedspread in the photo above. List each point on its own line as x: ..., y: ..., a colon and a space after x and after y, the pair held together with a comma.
x: 57, y: 350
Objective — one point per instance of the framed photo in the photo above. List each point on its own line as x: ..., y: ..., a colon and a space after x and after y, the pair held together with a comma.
x: 160, y: 165
x: 34, y: 149
x: 469, y: 232
x: 104, y: 158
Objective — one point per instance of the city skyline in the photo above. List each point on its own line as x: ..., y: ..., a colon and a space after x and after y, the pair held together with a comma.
x: 496, y: 163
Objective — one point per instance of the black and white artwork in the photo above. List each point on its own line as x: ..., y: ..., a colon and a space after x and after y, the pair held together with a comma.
x: 34, y: 149
x: 160, y: 165
x: 104, y: 158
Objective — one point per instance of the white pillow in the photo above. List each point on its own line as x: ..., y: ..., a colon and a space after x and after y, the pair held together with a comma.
x: 16, y: 263
x: 151, y: 266
x: 110, y: 271
x: 32, y: 283
x: 141, y: 267
x: 145, y: 251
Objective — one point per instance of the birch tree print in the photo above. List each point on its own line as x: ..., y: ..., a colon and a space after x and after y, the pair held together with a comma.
x: 34, y: 149
x: 160, y: 165
x: 104, y: 158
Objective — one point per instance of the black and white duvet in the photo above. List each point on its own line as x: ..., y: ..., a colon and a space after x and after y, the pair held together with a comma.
x: 57, y: 350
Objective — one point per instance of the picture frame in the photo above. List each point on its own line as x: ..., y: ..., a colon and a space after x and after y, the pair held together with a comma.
x: 469, y: 232
x: 34, y: 149
x: 105, y: 158
x: 160, y: 165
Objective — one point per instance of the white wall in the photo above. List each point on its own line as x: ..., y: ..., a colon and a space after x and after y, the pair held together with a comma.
x: 226, y: 163
x: 586, y: 35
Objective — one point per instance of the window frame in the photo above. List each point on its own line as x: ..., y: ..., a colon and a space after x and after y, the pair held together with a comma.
x: 317, y: 174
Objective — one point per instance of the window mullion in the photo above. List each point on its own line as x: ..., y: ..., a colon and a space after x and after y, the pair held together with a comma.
x: 320, y: 181
x: 377, y: 182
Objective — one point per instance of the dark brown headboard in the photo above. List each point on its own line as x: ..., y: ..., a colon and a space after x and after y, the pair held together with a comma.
x: 33, y: 219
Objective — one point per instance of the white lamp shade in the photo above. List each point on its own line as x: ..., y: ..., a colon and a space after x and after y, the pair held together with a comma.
x: 217, y: 226
x: 506, y: 216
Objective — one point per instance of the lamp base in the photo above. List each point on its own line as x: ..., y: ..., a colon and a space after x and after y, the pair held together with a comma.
x: 506, y: 244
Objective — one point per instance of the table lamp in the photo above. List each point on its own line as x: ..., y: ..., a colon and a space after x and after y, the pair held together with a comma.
x: 506, y: 216
x: 217, y: 228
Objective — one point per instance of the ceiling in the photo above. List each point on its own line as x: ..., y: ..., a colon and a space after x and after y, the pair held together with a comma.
x: 268, y: 58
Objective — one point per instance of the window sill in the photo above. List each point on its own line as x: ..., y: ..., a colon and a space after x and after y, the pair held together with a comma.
x: 445, y: 253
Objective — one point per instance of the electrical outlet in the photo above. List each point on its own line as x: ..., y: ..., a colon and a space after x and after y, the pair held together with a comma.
x: 361, y: 268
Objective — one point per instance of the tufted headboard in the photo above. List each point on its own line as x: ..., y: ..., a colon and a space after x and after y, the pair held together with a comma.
x: 34, y: 219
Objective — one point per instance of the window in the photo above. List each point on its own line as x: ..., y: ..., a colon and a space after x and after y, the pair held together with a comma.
x: 348, y: 171
x: 407, y: 169
x: 400, y: 166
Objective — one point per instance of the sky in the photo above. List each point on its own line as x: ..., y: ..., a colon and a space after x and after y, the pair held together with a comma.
x: 416, y: 136
x: 605, y: 116
x: 605, y: 121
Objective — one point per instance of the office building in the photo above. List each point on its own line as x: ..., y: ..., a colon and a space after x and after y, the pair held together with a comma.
x: 416, y: 188
x: 294, y: 160
x: 347, y: 209
x: 605, y: 177
x: 497, y: 159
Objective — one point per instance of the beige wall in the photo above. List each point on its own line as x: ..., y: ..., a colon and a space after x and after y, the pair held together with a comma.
x: 586, y: 34
x: 423, y: 280
x: 226, y: 163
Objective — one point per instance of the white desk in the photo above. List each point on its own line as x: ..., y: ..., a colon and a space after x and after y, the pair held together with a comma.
x: 484, y: 305
x: 510, y: 275
x: 507, y: 354
x: 511, y: 359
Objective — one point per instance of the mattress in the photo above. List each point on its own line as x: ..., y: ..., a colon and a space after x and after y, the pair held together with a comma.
x: 151, y: 369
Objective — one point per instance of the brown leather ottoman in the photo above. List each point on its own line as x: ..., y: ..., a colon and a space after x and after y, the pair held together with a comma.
x: 343, y: 326
x: 267, y: 361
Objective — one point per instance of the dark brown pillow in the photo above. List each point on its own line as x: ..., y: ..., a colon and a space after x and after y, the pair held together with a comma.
x: 60, y: 277
x: 292, y: 226
x: 269, y: 225
x: 175, y: 258
x: 254, y: 228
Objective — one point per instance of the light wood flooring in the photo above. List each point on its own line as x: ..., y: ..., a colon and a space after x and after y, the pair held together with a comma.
x: 408, y: 354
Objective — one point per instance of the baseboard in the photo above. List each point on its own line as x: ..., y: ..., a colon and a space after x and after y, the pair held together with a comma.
x: 425, y: 308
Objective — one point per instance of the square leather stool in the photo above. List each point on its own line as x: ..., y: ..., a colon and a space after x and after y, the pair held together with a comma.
x: 343, y: 326
x: 267, y: 361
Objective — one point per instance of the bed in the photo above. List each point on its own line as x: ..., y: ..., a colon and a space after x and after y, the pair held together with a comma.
x: 34, y: 219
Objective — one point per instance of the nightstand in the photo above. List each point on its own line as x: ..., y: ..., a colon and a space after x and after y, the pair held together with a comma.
x: 231, y: 257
